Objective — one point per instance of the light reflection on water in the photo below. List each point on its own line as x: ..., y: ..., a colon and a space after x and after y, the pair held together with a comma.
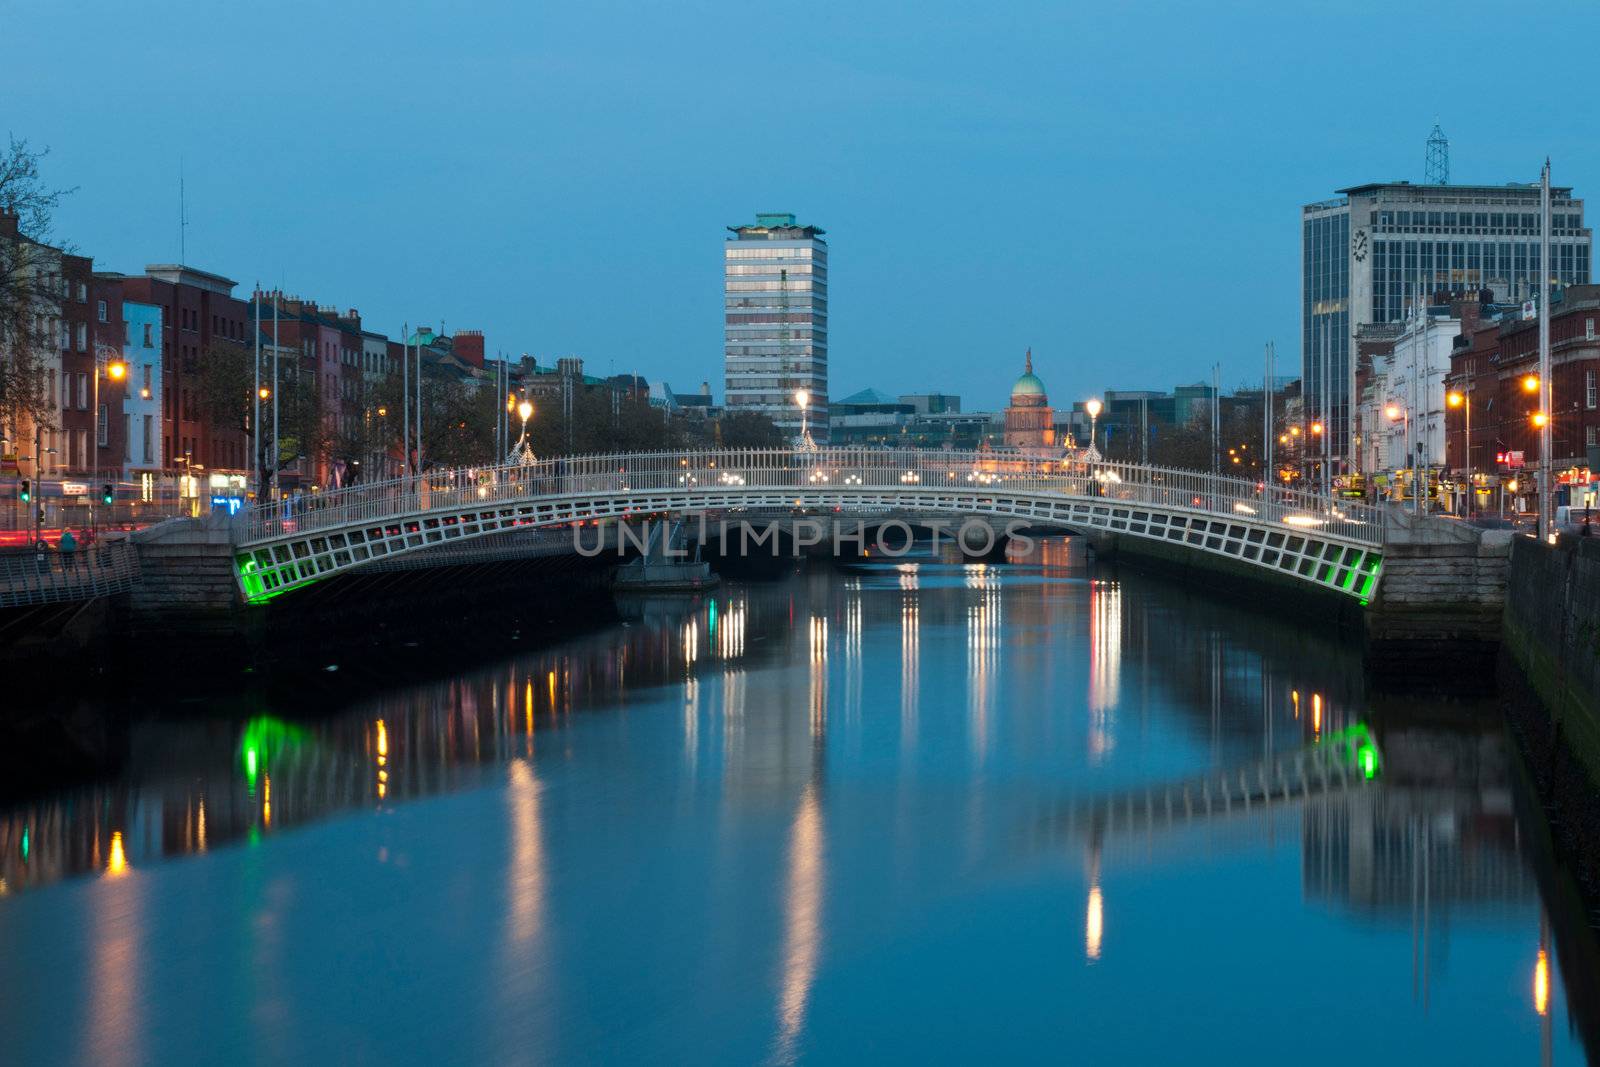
x: 774, y: 824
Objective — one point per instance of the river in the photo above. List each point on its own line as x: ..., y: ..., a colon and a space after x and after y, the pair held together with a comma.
x: 899, y: 812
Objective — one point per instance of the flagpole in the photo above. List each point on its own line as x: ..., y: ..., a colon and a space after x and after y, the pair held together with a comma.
x: 419, y: 403
x: 1546, y: 489
x: 255, y: 420
x: 405, y: 400
x: 277, y: 452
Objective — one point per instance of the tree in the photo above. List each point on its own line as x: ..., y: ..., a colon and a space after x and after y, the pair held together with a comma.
x: 30, y: 292
x: 749, y: 429
x: 226, y: 386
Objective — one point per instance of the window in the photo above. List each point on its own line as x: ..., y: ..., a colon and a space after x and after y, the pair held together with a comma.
x: 147, y: 438
x: 1591, y: 435
x: 100, y: 310
x: 83, y: 293
x: 83, y: 337
x: 127, y: 438
x: 1588, y: 329
x: 148, y: 370
x: 102, y: 426
x: 83, y: 391
x: 148, y: 343
x: 66, y: 334
x: 83, y: 448
x: 1591, y: 397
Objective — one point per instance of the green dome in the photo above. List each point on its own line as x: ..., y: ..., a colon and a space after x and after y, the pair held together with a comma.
x: 1028, y: 385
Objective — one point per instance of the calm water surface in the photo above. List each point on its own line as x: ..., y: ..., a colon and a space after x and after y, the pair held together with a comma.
x: 856, y: 816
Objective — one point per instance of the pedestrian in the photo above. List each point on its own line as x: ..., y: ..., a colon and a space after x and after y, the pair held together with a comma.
x: 69, y: 550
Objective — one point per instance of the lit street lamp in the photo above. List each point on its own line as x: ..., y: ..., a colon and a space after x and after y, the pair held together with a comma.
x: 1093, y: 407
x: 802, y: 398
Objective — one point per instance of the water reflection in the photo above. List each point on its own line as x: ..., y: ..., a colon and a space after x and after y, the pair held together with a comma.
x: 802, y: 924
x: 741, y: 881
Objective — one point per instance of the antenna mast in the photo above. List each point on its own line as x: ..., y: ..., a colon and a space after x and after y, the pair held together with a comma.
x: 1437, y: 169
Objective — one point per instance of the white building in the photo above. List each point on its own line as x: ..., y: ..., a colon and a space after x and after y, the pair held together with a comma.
x: 775, y: 314
x: 1403, y: 412
x: 1375, y: 251
x: 141, y: 407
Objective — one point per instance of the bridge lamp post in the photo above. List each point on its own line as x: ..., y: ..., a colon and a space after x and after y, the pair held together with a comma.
x: 525, y: 412
x: 802, y: 399
x: 1093, y: 407
x: 1457, y: 399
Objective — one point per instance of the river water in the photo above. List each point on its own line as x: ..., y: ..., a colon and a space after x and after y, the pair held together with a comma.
x: 890, y: 813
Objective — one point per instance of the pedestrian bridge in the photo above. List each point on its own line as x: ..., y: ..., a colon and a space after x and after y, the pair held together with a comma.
x: 1323, y: 542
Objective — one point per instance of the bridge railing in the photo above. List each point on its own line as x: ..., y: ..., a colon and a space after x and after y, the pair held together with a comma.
x: 51, y: 577
x: 876, y: 476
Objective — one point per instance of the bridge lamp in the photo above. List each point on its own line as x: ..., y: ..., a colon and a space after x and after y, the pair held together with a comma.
x: 1316, y: 428
x: 1540, y: 419
x: 263, y: 392
x: 1455, y: 399
x: 1392, y: 412
x: 1093, y: 407
x: 1530, y: 384
x: 116, y: 370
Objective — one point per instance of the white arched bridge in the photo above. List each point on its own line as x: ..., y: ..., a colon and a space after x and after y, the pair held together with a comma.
x: 1328, y: 543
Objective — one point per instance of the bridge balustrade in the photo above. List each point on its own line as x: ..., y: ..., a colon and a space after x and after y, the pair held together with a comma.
x: 891, y: 477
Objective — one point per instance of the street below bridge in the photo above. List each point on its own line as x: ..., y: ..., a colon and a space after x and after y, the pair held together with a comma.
x: 748, y: 826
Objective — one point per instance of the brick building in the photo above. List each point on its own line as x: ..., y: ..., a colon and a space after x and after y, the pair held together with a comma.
x: 199, y: 313
x: 1490, y: 368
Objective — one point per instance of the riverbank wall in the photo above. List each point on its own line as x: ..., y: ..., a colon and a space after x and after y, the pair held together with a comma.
x: 1550, y: 681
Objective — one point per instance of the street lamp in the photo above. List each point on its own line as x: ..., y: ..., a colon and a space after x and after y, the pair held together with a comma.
x: 802, y: 397
x: 1530, y: 383
x: 1093, y: 407
x: 1457, y: 399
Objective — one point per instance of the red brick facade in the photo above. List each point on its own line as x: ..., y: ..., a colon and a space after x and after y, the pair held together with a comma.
x: 1489, y: 370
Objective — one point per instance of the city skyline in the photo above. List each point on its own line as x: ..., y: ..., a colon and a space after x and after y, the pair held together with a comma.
x: 481, y: 196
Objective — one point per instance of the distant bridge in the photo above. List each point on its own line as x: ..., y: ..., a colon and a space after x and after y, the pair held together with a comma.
x: 1323, y: 542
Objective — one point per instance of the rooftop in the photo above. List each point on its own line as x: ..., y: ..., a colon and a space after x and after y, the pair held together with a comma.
x: 776, y: 226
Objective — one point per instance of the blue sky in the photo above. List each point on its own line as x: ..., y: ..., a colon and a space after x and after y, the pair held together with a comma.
x: 1115, y: 185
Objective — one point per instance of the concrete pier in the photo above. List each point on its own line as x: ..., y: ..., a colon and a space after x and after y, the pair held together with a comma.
x: 1438, y: 606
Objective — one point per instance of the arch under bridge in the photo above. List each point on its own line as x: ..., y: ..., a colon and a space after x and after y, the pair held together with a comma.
x: 1328, y: 543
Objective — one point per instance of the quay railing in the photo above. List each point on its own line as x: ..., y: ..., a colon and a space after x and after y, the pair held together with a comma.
x: 31, y: 577
x: 886, y: 476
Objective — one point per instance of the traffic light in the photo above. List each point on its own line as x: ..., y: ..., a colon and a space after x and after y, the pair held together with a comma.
x: 107, y: 496
x: 26, y: 492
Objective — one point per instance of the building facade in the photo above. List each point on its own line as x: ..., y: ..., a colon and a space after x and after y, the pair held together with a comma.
x: 1377, y: 250
x: 143, y: 399
x: 199, y: 315
x: 1030, y: 421
x: 775, y: 314
x: 1491, y: 372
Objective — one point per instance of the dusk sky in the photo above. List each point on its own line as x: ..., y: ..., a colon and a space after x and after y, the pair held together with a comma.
x: 1084, y: 179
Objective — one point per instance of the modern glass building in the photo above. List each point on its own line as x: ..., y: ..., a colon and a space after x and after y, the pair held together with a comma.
x: 775, y: 309
x: 1367, y: 256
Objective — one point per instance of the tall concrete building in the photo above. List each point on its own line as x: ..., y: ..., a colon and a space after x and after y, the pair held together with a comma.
x: 1376, y: 251
x: 775, y: 310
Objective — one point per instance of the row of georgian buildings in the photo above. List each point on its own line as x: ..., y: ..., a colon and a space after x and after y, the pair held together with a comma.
x: 1452, y: 390
x: 123, y: 365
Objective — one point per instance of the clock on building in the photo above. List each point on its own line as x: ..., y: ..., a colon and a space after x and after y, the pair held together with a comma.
x: 1358, y: 245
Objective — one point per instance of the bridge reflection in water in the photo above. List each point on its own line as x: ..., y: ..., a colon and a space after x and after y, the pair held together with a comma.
x: 843, y: 790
